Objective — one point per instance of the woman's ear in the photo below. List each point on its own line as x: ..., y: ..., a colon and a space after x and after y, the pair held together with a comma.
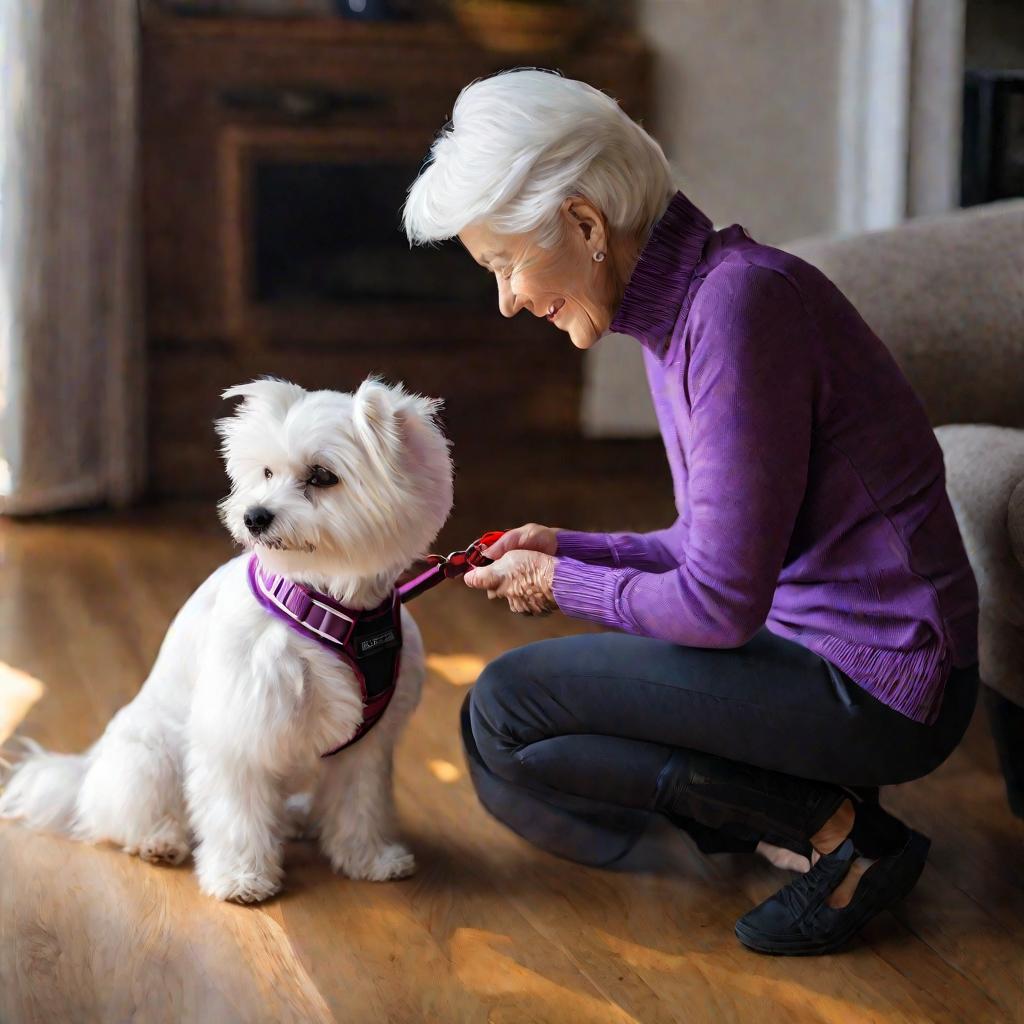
x: 587, y: 221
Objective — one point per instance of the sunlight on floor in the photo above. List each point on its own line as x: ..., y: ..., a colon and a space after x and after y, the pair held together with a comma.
x: 457, y: 669
x: 490, y: 965
x: 746, y: 988
x: 18, y: 692
x: 444, y: 770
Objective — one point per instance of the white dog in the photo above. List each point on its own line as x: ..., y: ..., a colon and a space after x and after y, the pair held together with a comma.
x: 336, y: 492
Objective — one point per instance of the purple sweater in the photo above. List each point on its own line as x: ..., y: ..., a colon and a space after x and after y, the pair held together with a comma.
x: 809, y: 485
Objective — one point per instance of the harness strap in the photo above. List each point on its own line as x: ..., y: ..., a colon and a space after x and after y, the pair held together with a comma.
x: 371, y: 648
x: 369, y: 641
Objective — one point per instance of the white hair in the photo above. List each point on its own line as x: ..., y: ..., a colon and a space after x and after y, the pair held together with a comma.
x: 519, y: 144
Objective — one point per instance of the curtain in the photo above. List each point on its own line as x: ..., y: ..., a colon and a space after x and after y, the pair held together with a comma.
x: 71, y: 342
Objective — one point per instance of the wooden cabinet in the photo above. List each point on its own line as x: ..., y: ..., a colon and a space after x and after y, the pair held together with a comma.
x: 276, y: 153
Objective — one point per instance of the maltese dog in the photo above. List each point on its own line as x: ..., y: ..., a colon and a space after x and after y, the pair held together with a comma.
x: 283, y: 683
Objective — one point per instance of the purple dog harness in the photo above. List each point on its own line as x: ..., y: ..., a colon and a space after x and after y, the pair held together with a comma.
x: 368, y: 641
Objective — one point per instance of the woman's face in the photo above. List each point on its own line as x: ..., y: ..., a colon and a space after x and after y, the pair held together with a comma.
x: 562, y: 283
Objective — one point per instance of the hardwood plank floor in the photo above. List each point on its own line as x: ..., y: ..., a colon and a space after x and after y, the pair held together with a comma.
x: 489, y: 929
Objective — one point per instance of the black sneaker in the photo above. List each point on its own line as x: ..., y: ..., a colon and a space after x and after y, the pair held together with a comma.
x: 796, y: 921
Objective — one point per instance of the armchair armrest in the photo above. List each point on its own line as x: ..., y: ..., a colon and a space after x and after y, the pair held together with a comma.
x: 985, y: 480
x: 1015, y: 521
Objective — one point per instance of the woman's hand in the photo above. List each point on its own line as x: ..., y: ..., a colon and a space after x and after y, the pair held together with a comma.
x: 531, y: 537
x: 523, y: 578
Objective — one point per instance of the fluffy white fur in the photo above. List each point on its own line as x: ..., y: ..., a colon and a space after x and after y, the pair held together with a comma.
x: 219, y: 752
x: 521, y: 142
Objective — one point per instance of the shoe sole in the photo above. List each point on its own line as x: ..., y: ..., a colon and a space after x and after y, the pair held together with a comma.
x: 918, y: 845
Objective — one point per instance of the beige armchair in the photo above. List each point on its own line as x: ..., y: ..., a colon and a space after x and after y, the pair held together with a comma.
x: 947, y: 296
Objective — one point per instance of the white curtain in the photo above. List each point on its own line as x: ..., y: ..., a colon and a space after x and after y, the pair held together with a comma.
x: 71, y: 382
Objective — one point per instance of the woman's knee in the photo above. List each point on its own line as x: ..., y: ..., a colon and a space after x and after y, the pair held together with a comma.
x: 497, y: 715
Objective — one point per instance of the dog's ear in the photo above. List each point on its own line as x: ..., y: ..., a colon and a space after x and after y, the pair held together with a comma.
x: 376, y: 416
x: 420, y: 407
x: 273, y: 395
x: 388, y: 418
x: 268, y: 395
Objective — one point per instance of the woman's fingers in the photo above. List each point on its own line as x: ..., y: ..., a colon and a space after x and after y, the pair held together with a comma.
x: 523, y: 578
x: 529, y: 537
x: 485, y: 577
x: 508, y: 541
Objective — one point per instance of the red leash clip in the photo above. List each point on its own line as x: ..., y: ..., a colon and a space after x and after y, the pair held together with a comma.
x: 446, y: 567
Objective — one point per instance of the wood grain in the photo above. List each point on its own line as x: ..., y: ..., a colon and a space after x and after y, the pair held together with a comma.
x: 490, y: 929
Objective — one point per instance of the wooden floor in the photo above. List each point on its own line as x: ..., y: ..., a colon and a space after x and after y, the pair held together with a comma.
x: 489, y: 929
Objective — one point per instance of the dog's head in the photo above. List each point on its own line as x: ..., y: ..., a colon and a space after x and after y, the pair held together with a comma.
x: 332, y: 483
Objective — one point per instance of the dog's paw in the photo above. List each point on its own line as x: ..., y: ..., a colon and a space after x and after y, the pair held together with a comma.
x: 250, y: 887
x: 239, y: 879
x: 162, y: 850
x: 394, y: 861
x: 166, y: 844
x: 383, y: 865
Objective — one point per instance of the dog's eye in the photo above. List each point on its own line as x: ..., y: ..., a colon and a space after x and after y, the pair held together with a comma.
x: 266, y: 472
x: 320, y: 477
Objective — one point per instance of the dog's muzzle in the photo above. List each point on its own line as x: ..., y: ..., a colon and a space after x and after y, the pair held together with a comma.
x: 257, y: 519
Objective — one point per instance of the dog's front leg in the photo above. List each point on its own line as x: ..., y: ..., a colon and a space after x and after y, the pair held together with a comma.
x: 236, y: 809
x: 249, y: 695
x: 355, y: 812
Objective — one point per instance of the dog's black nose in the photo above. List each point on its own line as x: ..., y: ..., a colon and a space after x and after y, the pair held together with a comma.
x: 257, y: 519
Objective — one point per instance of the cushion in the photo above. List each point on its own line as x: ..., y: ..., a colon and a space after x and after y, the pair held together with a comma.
x: 985, y: 479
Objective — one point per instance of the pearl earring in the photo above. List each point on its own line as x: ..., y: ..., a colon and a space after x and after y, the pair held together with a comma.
x: 598, y: 257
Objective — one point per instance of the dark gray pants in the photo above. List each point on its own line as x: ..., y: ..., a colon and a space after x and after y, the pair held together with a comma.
x: 574, y: 743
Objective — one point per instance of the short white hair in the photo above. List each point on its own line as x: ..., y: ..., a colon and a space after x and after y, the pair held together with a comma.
x: 519, y: 144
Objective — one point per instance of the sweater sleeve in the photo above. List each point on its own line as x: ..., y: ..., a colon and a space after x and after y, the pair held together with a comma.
x: 750, y: 382
x: 656, y: 552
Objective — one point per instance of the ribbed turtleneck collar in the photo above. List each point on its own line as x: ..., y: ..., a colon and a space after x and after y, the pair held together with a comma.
x: 658, y: 286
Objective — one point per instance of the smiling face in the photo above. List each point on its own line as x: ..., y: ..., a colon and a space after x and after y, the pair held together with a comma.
x: 563, y: 282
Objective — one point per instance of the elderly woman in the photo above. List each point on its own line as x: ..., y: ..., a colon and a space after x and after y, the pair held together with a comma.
x: 805, y: 631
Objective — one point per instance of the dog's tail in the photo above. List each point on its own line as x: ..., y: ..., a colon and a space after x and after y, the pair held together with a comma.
x: 41, y: 788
